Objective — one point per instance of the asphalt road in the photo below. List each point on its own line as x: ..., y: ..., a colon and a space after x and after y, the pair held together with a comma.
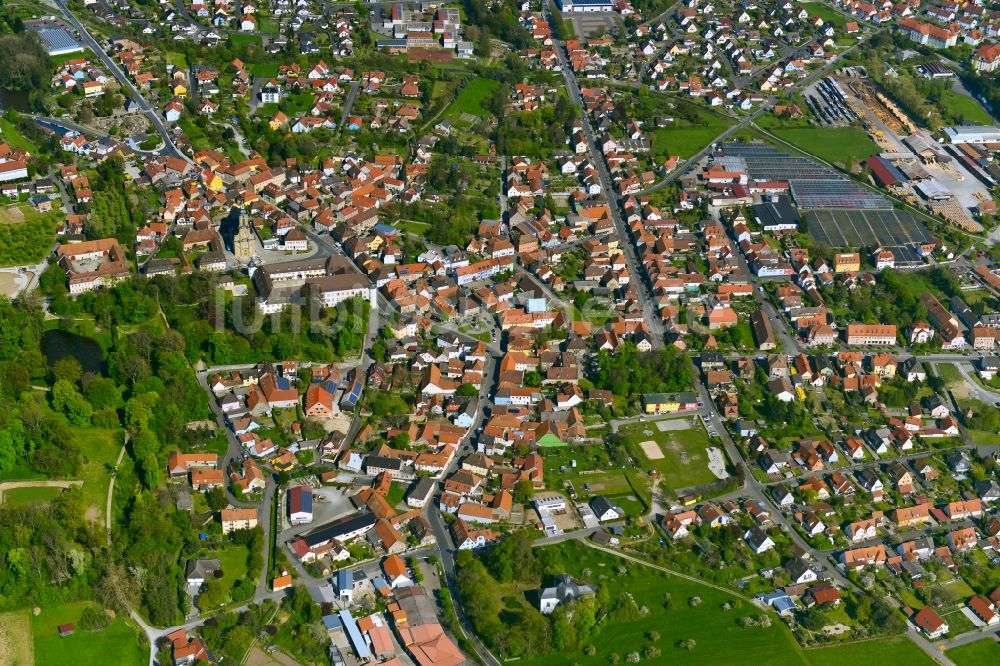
x: 169, y: 147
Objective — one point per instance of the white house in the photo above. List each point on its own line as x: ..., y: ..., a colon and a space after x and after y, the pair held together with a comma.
x: 605, y: 510
x: 564, y: 590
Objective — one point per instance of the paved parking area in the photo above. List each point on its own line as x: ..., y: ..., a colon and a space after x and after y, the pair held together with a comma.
x: 328, y: 504
x: 586, y: 25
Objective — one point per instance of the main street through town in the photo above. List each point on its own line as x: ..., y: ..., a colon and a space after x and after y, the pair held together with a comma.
x: 151, y: 113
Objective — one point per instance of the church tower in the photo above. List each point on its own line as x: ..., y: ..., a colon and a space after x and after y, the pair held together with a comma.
x: 244, y: 243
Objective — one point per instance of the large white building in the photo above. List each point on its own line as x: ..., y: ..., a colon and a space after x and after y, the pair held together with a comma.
x: 13, y: 170
x: 973, y: 134
x: 588, y: 6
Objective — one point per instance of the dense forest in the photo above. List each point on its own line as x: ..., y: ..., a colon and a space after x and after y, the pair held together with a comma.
x: 24, y: 64
x: 46, y: 411
x: 629, y: 371
x: 211, y: 325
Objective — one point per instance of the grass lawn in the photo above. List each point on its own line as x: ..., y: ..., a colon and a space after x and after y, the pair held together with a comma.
x: 958, y: 623
x: 100, y: 449
x: 684, y: 462
x: 718, y: 635
x: 950, y: 374
x: 20, y: 473
x: 396, y: 494
x: 194, y: 133
x: 834, y: 144
x: 178, y: 60
x: 470, y: 99
x: 116, y: 644
x: 685, y: 140
x: 234, y: 563
x: 983, y: 651
x: 240, y: 40
x: 298, y: 103
x: 898, y: 650
x: 824, y: 12
x: 26, y: 235
x: 24, y: 496
x: 985, y: 438
x: 15, y: 138
x: 268, y: 70
x: 962, y: 105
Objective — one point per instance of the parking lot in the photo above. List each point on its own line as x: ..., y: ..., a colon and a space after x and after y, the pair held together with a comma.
x: 328, y: 503
x: 589, y: 25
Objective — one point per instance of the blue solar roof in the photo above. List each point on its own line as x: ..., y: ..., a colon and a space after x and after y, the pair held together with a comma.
x: 352, y: 397
x: 303, y: 496
x: 283, y: 383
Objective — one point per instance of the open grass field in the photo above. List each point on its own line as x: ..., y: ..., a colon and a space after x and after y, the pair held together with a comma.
x: 267, y: 70
x: 239, y: 40
x: 100, y: 448
x: 16, y: 646
x: 470, y: 98
x: 684, y: 461
x: 885, y: 651
x: 685, y: 140
x: 969, y: 109
x: 950, y: 374
x: 824, y: 12
x: 16, y: 497
x: 15, y: 138
x: 20, y: 473
x: 26, y: 235
x: 833, y: 144
x: 984, y: 651
x: 195, y: 134
x: 718, y: 636
x: 116, y: 645
x: 178, y: 60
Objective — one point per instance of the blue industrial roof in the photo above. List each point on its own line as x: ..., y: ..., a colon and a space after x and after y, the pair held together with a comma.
x: 58, y: 41
x: 354, y: 634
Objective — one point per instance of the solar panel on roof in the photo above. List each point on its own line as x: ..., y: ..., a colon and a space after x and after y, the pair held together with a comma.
x: 58, y: 40
x: 897, y: 231
x: 813, y: 194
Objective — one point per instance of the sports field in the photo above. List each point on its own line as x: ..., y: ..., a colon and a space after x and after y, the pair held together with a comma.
x: 16, y: 497
x: 678, y: 456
